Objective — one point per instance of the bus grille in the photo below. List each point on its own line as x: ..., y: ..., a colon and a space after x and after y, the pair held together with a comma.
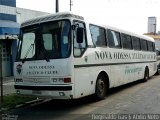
x: 36, y: 80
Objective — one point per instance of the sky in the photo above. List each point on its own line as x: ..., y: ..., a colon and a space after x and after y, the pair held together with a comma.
x: 130, y: 15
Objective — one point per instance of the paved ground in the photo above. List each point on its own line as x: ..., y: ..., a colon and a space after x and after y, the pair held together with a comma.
x: 133, y: 99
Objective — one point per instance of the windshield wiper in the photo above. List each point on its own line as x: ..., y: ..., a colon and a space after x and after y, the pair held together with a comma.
x: 28, y: 51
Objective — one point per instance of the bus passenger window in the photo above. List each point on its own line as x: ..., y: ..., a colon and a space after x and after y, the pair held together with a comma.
x: 143, y: 45
x: 126, y: 41
x: 98, y: 36
x: 150, y: 46
x: 136, y: 43
x: 79, y: 48
x: 113, y: 39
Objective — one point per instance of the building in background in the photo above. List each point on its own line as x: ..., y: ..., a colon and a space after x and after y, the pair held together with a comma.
x: 152, y: 23
x: 10, y: 20
x: 9, y: 29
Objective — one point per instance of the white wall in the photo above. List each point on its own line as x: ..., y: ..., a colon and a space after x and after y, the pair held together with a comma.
x: 152, y: 24
x: 25, y: 14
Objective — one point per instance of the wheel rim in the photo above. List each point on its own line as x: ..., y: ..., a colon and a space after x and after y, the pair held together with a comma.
x: 101, y: 87
x: 147, y: 75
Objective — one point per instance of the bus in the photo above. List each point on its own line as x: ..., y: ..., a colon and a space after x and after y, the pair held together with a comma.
x: 62, y: 56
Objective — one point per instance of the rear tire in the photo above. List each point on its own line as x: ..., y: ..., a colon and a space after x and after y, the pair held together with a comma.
x: 158, y: 70
x: 101, y: 88
x: 146, y: 75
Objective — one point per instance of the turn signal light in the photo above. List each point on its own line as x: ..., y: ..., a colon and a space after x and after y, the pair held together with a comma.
x: 67, y: 80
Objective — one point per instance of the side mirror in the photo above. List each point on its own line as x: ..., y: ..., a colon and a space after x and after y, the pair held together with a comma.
x: 80, y: 34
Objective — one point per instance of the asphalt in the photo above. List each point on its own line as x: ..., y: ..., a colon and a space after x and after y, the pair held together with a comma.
x: 134, y: 101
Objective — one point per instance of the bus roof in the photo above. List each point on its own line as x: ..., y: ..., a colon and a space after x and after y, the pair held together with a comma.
x: 50, y: 17
x: 63, y: 15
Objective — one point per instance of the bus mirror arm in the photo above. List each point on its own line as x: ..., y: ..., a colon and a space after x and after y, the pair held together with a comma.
x: 20, y: 37
x: 73, y: 27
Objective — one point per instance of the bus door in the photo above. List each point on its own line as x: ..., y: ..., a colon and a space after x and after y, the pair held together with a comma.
x: 81, y: 75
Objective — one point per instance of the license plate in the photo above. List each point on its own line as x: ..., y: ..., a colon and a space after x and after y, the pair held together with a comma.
x: 36, y: 92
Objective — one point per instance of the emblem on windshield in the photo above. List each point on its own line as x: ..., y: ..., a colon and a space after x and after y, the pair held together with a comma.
x: 19, y: 68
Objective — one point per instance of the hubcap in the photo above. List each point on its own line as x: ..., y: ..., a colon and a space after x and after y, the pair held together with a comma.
x: 101, y: 87
x: 147, y: 75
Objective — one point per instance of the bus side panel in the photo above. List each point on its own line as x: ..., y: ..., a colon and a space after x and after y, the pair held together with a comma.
x: 122, y: 74
x: 116, y: 75
x: 152, y: 68
x: 83, y: 84
x: 86, y: 77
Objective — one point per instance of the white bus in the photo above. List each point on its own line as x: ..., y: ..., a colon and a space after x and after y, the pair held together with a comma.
x: 62, y: 56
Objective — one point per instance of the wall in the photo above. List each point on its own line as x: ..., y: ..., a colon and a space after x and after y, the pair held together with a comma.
x: 25, y: 14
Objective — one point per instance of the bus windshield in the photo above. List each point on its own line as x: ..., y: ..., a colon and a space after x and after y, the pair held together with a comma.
x: 49, y: 40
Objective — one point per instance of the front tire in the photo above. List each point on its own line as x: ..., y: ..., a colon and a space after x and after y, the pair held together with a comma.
x: 101, y: 88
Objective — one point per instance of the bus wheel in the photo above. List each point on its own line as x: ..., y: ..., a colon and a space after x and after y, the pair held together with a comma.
x: 158, y: 70
x: 100, y: 91
x: 146, y: 75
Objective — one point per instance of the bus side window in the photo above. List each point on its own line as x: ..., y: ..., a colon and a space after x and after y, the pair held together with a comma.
x: 98, y: 35
x: 114, y: 39
x: 126, y: 41
x: 136, y: 43
x: 143, y: 45
x: 150, y: 46
x: 79, y: 48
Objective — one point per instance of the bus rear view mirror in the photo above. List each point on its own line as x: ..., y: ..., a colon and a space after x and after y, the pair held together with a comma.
x: 80, y: 35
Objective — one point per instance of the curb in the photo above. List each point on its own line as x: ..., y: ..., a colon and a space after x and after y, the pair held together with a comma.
x: 29, y: 103
x: 22, y: 105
